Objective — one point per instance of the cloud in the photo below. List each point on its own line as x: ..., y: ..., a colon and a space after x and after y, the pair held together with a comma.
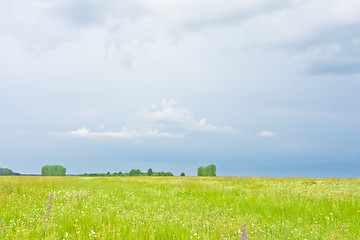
x: 168, y: 113
x: 129, y: 29
x: 85, y: 13
x: 81, y: 13
x: 266, y: 133
x: 166, y: 121
x: 335, y: 53
x: 334, y: 68
x: 124, y: 134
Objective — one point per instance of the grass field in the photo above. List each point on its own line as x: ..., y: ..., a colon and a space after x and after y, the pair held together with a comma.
x: 178, y: 208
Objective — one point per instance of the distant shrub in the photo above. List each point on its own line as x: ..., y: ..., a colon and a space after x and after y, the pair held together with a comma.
x: 163, y: 174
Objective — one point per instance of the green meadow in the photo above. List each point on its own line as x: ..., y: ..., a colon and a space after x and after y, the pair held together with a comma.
x: 178, y: 208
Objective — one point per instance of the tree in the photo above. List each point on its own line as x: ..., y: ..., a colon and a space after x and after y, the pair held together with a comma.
x: 201, y: 171
x: 53, y: 170
x: 207, y: 171
x: 135, y: 172
x: 7, y: 172
x: 212, y: 170
x: 182, y: 174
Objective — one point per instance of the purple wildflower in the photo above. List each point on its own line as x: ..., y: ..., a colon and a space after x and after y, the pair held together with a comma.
x: 49, y: 206
x: 244, y: 235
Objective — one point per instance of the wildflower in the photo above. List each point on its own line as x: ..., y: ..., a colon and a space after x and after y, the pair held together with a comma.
x: 244, y: 235
x: 49, y: 206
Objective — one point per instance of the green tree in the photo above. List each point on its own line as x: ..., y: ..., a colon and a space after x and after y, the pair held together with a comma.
x: 45, y: 171
x: 212, y: 170
x: 135, y: 172
x: 207, y: 171
x: 201, y: 171
x: 182, y: 174
x: 53, y: 170
x: 150, y: 172
x: 7, y: 172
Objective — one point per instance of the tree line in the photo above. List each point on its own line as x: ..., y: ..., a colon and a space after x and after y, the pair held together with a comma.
x: 57, y: 170
x: 132, y: 173
x: 8, y: 172
x: 209, y: 171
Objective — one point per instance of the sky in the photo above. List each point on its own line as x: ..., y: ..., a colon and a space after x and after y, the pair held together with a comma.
x: 259, y: 88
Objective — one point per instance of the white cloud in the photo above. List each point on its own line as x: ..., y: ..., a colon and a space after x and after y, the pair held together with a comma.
x: 245, y: 22
x: 267, y: 133
x: 168, y: 113
x: 124, y: 134
x: 167, y: 121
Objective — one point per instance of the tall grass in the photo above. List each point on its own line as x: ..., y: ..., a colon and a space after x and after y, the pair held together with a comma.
x: 178, y: 208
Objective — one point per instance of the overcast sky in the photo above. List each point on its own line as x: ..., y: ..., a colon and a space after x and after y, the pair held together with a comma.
x: 258, y: 88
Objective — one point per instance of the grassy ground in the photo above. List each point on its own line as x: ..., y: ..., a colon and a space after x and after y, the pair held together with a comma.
x: 178, y: 208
